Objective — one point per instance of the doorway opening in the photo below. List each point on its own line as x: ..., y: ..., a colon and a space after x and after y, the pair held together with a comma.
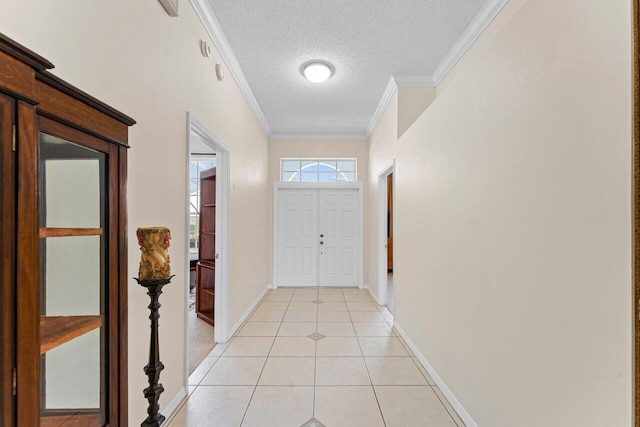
x: 386, y: 288
x: 207, y: 242
x: 390, y: 299
x: 202, y: 165
x: 636, y: 203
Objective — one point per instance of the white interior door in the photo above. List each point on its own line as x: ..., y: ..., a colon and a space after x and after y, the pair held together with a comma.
x: 338, y: 219
x: 318, y: 240
x: 297, y: 237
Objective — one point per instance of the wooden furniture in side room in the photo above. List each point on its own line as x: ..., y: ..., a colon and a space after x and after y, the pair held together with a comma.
x: 206, y: 268
x: 390, y: 223
x: 63, y: 258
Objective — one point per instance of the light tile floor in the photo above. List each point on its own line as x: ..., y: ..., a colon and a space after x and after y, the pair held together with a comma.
x: 314, y: 357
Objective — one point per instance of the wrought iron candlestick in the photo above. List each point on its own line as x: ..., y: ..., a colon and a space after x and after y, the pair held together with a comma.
x: 154, y: 273
x: 155, y: 366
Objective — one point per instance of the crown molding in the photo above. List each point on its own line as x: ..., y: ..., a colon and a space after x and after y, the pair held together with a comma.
x: 212, y: 26
x: 482, y: 20
x: 414, y: 80
x: 484, y: 17
x: 388, y: 93
x: 395, y: 81
x: 319, y: 137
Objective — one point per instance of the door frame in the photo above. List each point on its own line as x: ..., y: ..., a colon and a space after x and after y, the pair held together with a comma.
x: 221, y: 304
x: 636, y: 207
x: 382, y: 227
x: 319, y: 186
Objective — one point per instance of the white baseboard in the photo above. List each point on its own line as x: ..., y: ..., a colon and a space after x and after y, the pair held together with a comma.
x: 373, y: 295
x: 248, y: 312
x: 455, y: 403
x: 171, y: 408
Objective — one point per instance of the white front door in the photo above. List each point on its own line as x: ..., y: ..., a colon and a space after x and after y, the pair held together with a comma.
x: 318, y: 237
x: 297, y: 240
x: 338, y: 232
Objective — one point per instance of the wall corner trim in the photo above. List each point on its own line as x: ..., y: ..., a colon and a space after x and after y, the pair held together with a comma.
x: 388, y: 93
x: 455, y: 403
x: 212, y: 26
x: 395, y: 81
x: 171, y: 408
x: 246, y: 314
x: 485, y: 16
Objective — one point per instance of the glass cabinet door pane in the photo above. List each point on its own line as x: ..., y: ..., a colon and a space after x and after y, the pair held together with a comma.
x: 71, y: 177
x: 72, y: 276
x: 72, y: 374
x: 73, y: 263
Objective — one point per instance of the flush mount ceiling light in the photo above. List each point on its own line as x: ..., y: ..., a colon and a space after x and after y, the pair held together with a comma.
x: 317, y: 71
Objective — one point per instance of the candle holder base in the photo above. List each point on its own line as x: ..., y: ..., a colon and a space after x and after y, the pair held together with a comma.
x: 155, y: 366
x: 157, y: 423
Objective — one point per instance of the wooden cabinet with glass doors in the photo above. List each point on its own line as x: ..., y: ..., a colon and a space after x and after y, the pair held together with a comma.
x: 63, y: 258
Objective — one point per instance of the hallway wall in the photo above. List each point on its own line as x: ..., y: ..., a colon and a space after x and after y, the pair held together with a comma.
x: 382, y: 151
x: 133, y: 56
x: 513, y: 219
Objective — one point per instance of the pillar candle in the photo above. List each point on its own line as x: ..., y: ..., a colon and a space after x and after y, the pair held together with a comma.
x: 154, y: 262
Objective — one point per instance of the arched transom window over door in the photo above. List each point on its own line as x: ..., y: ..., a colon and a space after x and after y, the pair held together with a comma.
x: 318, y: 170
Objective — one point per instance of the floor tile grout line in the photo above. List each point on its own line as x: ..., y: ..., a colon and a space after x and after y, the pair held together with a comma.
x: 205, y: 374
x: 317, y: 321
x: 370, y: 379
x: 315, y: 366
x: 315, y: 360
x: 263, y: 366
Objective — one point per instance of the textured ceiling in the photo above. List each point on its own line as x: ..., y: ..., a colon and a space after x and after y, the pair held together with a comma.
x: 366, y: 41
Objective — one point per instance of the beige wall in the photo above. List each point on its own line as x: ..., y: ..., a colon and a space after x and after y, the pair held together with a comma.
x: 412, y: 101
x: 513, y: 219
x: 404, y: 108
x: 318, y: 149
x: 135, y: 57
x: 382, y: 151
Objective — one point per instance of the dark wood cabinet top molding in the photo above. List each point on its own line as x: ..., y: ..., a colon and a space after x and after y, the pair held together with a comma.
x: 22, y: 53
x: 75, y: 112
x: 27, y: 68
x: 73, y: 91
x: 22, y: 84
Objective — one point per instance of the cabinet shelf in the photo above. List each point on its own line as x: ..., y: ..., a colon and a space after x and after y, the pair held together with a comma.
x: 209, y: 205
x: 68, y: 232
x: 207, y: 291
x: 57, y: 330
